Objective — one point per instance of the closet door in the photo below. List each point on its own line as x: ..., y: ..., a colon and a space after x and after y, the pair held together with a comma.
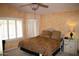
x: 33, y: 27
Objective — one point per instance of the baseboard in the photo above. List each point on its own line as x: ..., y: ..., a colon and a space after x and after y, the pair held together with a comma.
x: 10, y: 49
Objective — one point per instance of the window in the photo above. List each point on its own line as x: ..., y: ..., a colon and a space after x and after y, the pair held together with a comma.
x: 33, y: 27
x: 10, y: 28
x: 3, y: 29
x: 19, y: 28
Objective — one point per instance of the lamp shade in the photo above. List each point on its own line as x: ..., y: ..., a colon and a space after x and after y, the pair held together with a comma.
x: 71, y: 25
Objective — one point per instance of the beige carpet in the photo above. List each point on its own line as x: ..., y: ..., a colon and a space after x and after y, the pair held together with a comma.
x: 16, y: 52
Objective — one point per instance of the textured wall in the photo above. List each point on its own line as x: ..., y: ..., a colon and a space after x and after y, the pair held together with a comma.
x: 58, y: 21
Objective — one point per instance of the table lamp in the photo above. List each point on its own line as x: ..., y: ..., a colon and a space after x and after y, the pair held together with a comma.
x: 71, y: 25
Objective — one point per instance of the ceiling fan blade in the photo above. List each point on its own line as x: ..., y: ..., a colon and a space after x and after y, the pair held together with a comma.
x: 42, y: 5
x: 25, y: 5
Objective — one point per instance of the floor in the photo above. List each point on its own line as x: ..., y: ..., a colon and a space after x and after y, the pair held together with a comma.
x: 18, y: 52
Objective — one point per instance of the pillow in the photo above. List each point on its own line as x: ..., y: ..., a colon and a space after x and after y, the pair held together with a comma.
x: 46, y: 34
x: 56, y: 35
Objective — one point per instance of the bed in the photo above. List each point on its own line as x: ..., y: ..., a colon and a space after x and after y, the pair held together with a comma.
x: 46, y: 43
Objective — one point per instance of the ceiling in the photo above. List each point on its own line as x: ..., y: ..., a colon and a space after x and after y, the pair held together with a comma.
x: 52, y: 7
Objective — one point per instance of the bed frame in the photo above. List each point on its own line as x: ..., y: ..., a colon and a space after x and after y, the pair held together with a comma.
x: 28, y: 51
x: 37, y: 54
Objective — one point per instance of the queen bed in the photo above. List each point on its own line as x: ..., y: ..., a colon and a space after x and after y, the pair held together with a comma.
x: 46, y: 43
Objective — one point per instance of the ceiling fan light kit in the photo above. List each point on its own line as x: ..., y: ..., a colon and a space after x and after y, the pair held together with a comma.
x: 34, y: 7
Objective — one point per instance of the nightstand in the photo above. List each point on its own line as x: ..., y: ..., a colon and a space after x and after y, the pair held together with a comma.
x: 70, y: 46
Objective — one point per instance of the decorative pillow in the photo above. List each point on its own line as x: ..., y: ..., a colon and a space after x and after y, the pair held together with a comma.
x: 56, y: 35
x: 46, y: 34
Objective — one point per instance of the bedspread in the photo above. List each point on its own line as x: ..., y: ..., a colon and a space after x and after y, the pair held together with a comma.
x: 40, y: 44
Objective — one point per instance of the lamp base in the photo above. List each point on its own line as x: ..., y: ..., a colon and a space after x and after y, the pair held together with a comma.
x: 71, y: 35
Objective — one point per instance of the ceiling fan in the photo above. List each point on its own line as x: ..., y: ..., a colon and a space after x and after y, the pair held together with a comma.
x: 35, y: 6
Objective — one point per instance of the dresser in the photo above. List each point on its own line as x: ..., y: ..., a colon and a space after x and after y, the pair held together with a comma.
x: 70, y: 46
